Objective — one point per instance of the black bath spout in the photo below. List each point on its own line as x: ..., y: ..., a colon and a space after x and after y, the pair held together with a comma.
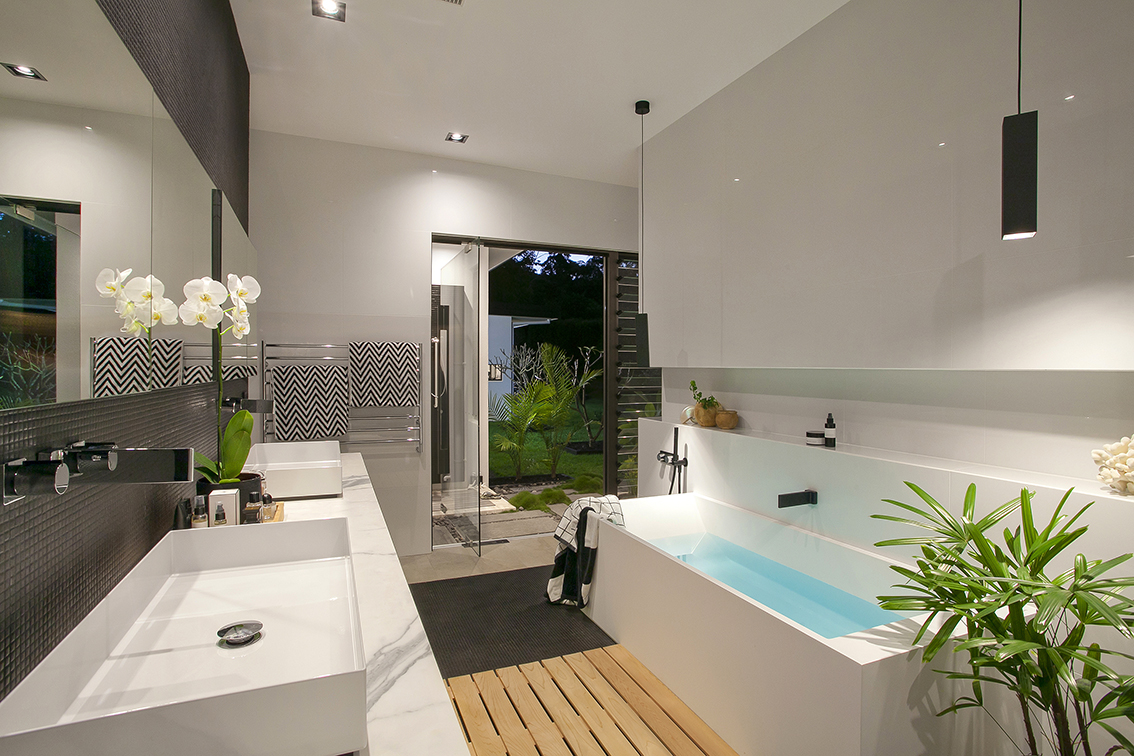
x: 799, y: 498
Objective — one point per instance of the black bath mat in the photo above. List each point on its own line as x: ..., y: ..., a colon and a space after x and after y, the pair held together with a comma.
x: 499, y: 620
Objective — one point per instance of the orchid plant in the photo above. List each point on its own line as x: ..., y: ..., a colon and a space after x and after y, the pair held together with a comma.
x: 204, y: 300
x: 142, y: 304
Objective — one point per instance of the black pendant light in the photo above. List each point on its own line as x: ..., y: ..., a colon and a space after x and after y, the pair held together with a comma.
x: 1019, y: 160
x: 641, y: 320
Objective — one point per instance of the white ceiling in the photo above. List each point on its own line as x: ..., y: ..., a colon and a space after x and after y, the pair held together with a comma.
x: 540, y: 85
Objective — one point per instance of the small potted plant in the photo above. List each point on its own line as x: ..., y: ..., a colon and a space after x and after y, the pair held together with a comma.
x: 705, y: 408
x: 226, y: 472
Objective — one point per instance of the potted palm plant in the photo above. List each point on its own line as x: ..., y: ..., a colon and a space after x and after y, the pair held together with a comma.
x: 1021, y: 628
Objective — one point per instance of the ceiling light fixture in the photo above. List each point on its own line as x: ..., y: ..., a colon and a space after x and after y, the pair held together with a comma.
x: 456, y: 136
x: 332, y: 9
x: 23, y: 72
x: 641, y: 319
x: 1019, y: 160
x: 1069, y: 97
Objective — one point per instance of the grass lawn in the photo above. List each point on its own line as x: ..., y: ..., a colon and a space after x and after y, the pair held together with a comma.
x: 502, y: 469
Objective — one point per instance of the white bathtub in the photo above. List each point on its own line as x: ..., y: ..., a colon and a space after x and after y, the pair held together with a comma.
x: 765, y: 682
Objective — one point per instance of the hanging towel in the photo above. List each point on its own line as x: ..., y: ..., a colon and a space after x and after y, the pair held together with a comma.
x: 385, y: 374
x: 123, y: 365
x: 577, y: 537
x: 204, y: 373
x: 310, y: 401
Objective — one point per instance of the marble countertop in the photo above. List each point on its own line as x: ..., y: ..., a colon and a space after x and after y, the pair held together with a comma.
x: 408, y: 710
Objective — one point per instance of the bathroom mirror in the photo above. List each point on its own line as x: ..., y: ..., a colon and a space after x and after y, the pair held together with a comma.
x: 92, y: 166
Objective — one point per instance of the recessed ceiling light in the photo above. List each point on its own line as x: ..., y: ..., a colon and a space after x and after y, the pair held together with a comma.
x: 1069, y: 97
x: 88, y: 128
x: 736, y: 179
x: 435, y: 171
x: 332, y: 9
x: 1022, y: 235
x: 23, y: 72
x: 457, y: 137
x: 942, y: 144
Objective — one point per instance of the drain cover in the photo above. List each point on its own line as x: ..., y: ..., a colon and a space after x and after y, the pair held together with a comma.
x: 240, y: 633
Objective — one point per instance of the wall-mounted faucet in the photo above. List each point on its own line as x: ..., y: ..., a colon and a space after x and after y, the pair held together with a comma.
x: 798, y: 499
x: 23, y: 478
x: 679, y: 464
x: 107, y: 463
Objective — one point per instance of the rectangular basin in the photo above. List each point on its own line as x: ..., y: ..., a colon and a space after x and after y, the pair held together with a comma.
x: 145, y: 671
x: 298, y: 469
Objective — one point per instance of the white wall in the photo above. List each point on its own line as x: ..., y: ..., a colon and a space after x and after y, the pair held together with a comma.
x: 853, y: 240
x: 857, y: 267
x: 343, y: 235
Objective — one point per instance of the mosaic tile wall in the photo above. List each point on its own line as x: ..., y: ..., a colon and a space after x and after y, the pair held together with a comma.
x: 61, y: 555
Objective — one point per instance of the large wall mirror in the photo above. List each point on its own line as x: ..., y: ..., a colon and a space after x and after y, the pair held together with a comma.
x: 93, y: 175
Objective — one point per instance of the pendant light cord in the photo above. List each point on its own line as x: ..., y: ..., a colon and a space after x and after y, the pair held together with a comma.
x: 1019, y: 56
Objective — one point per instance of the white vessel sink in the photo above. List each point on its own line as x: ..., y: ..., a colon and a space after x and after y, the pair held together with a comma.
x: 298, y: 469
x: 145, y: 671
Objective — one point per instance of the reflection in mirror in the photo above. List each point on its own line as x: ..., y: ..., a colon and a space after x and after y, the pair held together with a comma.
x: 82, y: 139
x: 39, y: 311
x: 93, y: 136
x: 181, y: 240
x: 241, y: 356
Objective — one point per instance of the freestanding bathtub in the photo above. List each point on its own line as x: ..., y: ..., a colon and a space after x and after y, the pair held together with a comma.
x: 773, y: 636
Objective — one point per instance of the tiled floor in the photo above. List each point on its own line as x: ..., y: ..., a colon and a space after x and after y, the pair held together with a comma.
x: 457, y: 561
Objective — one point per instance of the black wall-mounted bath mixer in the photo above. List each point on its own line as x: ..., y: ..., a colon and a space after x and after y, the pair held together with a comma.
x: 678, y: 464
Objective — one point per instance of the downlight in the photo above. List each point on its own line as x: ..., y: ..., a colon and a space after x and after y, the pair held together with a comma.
x: 23, y: 72
x: 332, y: 9
x: 458, y: 137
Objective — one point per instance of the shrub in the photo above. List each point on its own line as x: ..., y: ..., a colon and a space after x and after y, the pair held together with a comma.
x: 527, y: 500
x: 550, y: 496
x: 586, y: 483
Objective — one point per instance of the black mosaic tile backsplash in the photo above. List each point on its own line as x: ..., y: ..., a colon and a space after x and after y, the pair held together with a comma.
x: 61, y: 555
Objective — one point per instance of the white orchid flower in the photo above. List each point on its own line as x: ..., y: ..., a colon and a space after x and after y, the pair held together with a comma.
x: 205, y: 290
x: 196, y: 311
x: 124, y: 308
x: 161, y: 310
x: 109, y: 282
x: 244, y: 289
x: 240, y: 328
x: 144, y: 289
x: 239, y: 310
x: 134, y: 326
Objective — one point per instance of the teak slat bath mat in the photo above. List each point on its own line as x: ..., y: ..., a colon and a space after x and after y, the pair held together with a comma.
x: 622, y: 710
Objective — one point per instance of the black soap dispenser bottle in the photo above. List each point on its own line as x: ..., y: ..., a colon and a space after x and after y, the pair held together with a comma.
x: 829, y: 432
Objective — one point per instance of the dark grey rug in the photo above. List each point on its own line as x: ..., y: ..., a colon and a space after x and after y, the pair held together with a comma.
x: 499, y: 620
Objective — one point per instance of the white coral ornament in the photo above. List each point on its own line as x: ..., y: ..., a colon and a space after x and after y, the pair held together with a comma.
x: 1116, y: 465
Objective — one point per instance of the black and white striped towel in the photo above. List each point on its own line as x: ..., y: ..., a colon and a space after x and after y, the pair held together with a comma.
x: 128, y: 365
x: 385, y: 374
x: 577, y: 537
x: 310, y: 402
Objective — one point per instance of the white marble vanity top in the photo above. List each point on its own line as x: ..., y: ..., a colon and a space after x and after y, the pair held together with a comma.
x: 408, y: 710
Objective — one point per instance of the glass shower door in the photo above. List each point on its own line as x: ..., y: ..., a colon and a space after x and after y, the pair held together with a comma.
x: 456, y: 394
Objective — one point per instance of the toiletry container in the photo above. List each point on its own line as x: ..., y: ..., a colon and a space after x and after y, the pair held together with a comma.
x: 229, y: 499
x: 829, y: 432
x: 816, y: 438
x: 200, y: 516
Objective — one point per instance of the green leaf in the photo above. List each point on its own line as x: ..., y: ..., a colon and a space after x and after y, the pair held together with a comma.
x: 234, y: 454
x: 206, y: 467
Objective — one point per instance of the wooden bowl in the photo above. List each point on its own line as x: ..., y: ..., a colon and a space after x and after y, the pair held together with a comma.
x: 727, y: 419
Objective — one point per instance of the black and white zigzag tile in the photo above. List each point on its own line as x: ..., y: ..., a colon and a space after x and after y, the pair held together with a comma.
x: 385, y: 374
x: 203, y: 373
x: 122, y: 365
x: 310, y: 401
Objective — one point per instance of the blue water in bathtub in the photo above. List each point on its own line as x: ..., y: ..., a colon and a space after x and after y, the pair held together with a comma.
x: 821, y: 608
